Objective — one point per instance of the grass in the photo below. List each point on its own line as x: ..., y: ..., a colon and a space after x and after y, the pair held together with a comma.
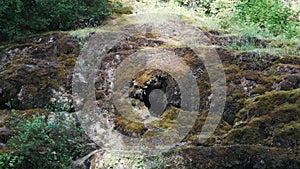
x: 213, y: 22
x: 283, y: 48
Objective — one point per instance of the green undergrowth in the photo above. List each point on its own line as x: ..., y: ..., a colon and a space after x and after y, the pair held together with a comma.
x: 43, y: 141
x: 270, y: 19
x: 264, y: 18
x: 29, y: 17
x: 33, y: 17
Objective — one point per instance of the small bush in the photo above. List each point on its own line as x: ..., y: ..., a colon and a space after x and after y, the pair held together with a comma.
x: 19, y: 17
x: 224, y: 11
x: 47, y: 142
x: 271, y: 15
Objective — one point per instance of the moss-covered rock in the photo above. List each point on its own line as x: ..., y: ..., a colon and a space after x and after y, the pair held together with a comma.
x: 34, y: 69
x: 239, y: 156
x: 271, y: 119
x: 248, y: 74
x: 260, y: 124
x: 262, y: 103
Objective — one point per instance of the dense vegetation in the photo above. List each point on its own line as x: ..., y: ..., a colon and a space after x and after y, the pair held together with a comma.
x: 44, y: 140
x: 273, y: 16
x: 23, y: 17
x: 266, y: 17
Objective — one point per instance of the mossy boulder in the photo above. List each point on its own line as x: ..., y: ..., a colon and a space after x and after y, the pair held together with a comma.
x: 271, y: 119
x: 35, y: 68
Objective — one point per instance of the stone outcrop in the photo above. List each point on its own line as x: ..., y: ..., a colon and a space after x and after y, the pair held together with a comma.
x: 260, y: 126
x: 36, y: 68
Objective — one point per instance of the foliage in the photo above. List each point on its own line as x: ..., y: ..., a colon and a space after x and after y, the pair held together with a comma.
x: 45, y: 142
x: 268, y: 14
x: 224, y: 11
x: 9, y: 161
x: 265, y: 18
x: 19, y: 17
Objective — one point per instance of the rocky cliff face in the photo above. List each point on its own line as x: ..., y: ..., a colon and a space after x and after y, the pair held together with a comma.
x: 260, y: 126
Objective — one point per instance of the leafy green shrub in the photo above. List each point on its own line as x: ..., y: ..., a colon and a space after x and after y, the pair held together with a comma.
x: 271, y: 15
x: 224, y: 11
x: 264, y: 18
x: 45, y: 142
x: 9, y: 161
x: 19, y: 17
x: 221, y: 10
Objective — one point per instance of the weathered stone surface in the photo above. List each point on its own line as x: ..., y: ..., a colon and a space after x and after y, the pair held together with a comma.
x: 36, y: 68
x: 260, y: 124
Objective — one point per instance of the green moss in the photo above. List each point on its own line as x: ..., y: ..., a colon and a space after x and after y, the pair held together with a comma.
x: 124, y: 10
x: 144, y: 76
x: 128, y: 127
x: 167, y: 120
x: 245, y: 135
x: 259, y: 89
x: 3, y: 115
x: 29, y: 81
x: 286, y: 113
x: 171, y: 113
x: 118, y: 8
x: 265, y: 104
x: 68, y: 45
x: 287, y: 135
x: 256, y: 122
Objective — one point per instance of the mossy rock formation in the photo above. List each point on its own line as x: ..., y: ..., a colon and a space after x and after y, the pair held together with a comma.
x: 36, y: 68
x: 260, y: 125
